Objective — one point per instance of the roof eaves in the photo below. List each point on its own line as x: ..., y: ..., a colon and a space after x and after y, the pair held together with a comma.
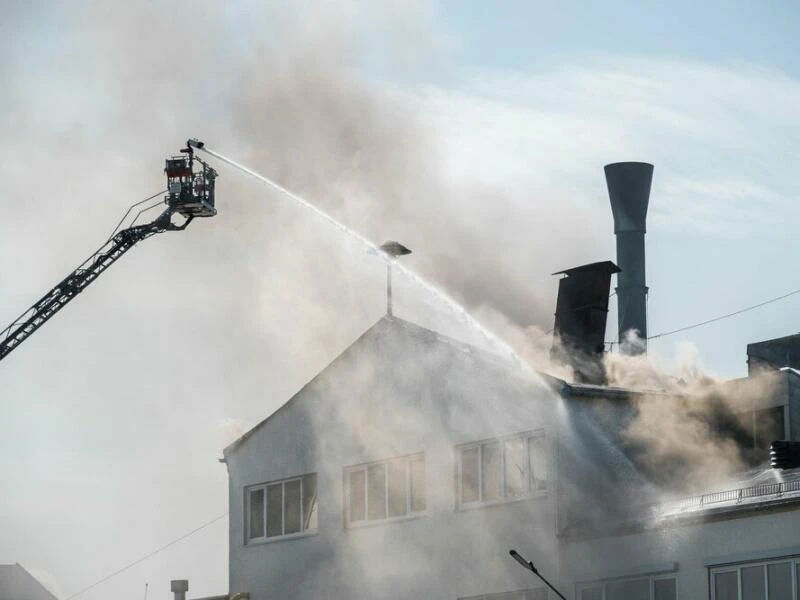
x: 577, y: 390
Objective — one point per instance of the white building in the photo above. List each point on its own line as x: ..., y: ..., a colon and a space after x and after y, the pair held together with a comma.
x: 18, y: 584
x: 412, y: 464
x: 383, y: 477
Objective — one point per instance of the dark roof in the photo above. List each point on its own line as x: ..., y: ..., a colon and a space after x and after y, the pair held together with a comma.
x: 605, y: 266
x: 786, y: 339
x: 18, y: 584
x: 778, y: 352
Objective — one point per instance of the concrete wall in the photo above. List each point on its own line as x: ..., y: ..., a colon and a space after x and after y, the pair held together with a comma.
x: 695, y: 548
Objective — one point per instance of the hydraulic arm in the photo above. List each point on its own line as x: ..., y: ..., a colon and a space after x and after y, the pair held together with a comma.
x: 190, y: 194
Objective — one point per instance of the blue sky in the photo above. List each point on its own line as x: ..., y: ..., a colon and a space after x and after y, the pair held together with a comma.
x: 695, y: 272
x: 520, y: 34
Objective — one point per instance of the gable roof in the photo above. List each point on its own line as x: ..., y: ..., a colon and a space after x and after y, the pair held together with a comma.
x: 391, y: 327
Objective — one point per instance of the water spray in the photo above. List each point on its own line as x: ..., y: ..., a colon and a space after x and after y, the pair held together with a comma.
x: 443, y: 297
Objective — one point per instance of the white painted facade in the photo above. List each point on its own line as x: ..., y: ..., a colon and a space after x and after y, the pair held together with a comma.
x: 377, y: 402
x: 693, y: 552
x: 404, y: 394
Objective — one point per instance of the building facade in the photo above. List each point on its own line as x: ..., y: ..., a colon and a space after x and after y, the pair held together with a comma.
x: 412, y: 464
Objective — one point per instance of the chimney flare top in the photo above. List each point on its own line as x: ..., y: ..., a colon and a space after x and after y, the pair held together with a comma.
x: 629, y: 192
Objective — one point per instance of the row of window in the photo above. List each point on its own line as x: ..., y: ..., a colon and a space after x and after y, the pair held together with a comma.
x: 502, y: 469
x: 639, y: 588
x: 282, y: 508
x: 777, y: 579
x: 774, y: 580
x: 488, y: 472
x: 535, y: 594
x: 387, y: 489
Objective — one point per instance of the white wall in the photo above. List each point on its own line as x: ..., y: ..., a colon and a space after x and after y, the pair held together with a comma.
x: 394, y: 393
x: 694, y: 547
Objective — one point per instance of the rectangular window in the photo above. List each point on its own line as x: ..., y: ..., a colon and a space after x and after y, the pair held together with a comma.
x: 773, y: 580
x: 633, y: 589
x: 257, y: 512
x: 535, y: 594
x: 592, y: 593
x: 358, y: 495
x: 385, y: 490
x: 646, y: 587
x: 398, y: 488
x: 502, y: 469
x: 665, y: 589
x: 282, y: 508
x: 376, y: 492
x: 417, y: 483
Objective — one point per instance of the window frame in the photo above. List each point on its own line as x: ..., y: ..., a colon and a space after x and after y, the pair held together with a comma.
x: 792, y: 559
x: 651, y: 581
x: 501, y: 441
x: 265, y: 539
x: 499, y: 595
x: 407, y: 459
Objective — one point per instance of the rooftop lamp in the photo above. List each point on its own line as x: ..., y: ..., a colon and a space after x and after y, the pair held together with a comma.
x: 393, y: 250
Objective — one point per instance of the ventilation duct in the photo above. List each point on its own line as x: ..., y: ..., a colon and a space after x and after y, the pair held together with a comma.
x: 581, y: 314
x: 629, y: 192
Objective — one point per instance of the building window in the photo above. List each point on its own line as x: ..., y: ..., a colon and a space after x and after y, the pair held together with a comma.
x: 502, y: 469
x: 283, y: 508
x: 537, y: 594
x: 385, y: 490
x: 773, y: 580
x: 653, y: 587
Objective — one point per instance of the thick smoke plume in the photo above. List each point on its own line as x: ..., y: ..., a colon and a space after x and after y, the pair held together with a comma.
x: 688, y: 428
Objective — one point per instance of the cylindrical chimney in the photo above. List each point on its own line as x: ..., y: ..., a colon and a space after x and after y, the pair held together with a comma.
x: 179, y: 587
x: 629, y: 191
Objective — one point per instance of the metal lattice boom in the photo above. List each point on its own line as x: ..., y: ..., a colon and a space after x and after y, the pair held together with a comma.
x: 58, y: 297
x: 190, y: 193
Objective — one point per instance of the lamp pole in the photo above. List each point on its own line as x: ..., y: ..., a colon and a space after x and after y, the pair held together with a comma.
x: 529, y: 565
x: 389, y: 289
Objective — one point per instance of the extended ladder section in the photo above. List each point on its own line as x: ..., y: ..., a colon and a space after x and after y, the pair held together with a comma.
x: 190, y: 193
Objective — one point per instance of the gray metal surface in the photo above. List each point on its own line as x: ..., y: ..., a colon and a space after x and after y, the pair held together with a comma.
x: 580, y: 324
x: 629, y: 192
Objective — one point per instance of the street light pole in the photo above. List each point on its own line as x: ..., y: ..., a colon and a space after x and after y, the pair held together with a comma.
x: 529, y: 565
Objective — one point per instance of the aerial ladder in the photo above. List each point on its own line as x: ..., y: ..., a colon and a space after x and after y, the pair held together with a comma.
x: 189, y: 194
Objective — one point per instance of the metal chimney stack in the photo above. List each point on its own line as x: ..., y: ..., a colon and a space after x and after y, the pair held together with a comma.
x: 629, y: 191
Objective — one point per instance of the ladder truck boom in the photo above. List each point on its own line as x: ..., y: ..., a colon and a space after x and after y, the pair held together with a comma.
x: 190, y: 194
